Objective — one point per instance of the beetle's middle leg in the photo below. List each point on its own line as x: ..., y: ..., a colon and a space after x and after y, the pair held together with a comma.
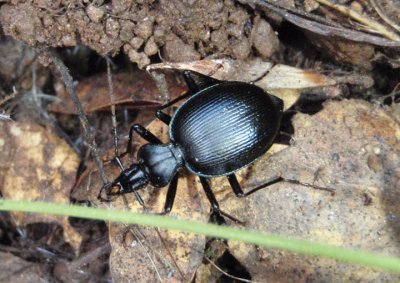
x: 169, y: 202
x: 216, y: 211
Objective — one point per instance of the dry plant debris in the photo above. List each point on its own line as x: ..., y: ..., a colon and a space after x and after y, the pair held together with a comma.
x: 135, y: 90
x: 39, y: 166
x: 18, y: 270
x: 142, y: 29
x: 168, y: 255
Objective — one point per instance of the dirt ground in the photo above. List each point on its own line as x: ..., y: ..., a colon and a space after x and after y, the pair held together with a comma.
x: 336, y: 66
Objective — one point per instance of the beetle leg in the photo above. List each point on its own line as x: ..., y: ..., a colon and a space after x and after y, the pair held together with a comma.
x: 139, y: 198
x: 187, y: 76
x: 270, y: 182
x: 147, y: 135
x: 235, y: 185
x: 214, y: 204
x: 283, y: 138
x: 165, y: 118
x: 171, y: 194
x: 119, y: 163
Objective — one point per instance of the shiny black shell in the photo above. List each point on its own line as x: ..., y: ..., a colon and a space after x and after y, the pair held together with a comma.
x: 225, y: 127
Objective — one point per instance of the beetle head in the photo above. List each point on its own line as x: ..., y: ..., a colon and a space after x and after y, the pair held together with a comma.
x: 131, y: 179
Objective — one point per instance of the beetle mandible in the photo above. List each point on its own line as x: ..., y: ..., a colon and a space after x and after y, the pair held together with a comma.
x: 221, y: 127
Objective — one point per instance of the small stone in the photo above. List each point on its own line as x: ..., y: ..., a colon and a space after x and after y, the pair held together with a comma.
x: 175, y: 50
x: 151, y: 47
x: 144, y: 29
x: 264, y: 38
x: 241, y: 49
x: 95, y: 13
x: 139, y: 58
x: 136, y: 42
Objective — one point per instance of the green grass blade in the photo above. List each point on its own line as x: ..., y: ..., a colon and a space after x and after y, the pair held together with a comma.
x: 251, y: 237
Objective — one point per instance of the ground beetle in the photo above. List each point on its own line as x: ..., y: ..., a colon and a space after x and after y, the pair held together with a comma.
x: 221, y: 127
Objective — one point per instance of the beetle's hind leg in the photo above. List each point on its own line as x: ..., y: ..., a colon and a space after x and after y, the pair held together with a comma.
x: 216, y: 211
x: 239, y: 192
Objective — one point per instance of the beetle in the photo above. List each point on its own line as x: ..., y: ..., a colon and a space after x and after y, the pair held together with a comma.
x: 222, y: 127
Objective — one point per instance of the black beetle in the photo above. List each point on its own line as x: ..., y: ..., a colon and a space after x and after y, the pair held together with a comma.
x: 222, y: 127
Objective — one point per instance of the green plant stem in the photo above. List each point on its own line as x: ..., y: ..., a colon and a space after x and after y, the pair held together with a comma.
x: 250, y: 237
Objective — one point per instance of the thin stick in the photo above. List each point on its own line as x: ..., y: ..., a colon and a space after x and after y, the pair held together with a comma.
x: 227, y: 274
x: 112, y: 100
x: 376, y: 26
x: 380, y: 12
x: 88, y: 132
x: 9, y: 97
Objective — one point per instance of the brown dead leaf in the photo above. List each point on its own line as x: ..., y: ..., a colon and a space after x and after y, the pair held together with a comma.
x: 37, y: 166
x: 136, y: 90
x: 350, y: 146
x: 175, y: 255
x: 142, y: 254
x: 284, y: 81
x: 15, y: 269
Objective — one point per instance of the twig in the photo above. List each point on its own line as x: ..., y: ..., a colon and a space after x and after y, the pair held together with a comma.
x: 88, y: 133
x: 9, y: 97
x: 112, y: 100
x: 227, y: 274
x: 5, y: 117
x: 374, y: 25
x: 170, y: 255
x: 321, y: 27
x: 378, y: 9
x: 89, y: 257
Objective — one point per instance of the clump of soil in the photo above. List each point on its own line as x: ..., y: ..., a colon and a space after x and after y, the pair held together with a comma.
x: 180, y: 31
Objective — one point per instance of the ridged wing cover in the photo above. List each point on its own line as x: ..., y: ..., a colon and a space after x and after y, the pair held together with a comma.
x: 225, y: 127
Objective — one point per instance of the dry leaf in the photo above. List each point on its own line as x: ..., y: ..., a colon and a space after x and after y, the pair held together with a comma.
x: 15, y: 269
x: 37, y: 166
x: 135, y: 90
x: 142, y: 254
x: 283, y: 81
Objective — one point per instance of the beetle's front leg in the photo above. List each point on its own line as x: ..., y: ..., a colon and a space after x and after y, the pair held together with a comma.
x: 145, y: 134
